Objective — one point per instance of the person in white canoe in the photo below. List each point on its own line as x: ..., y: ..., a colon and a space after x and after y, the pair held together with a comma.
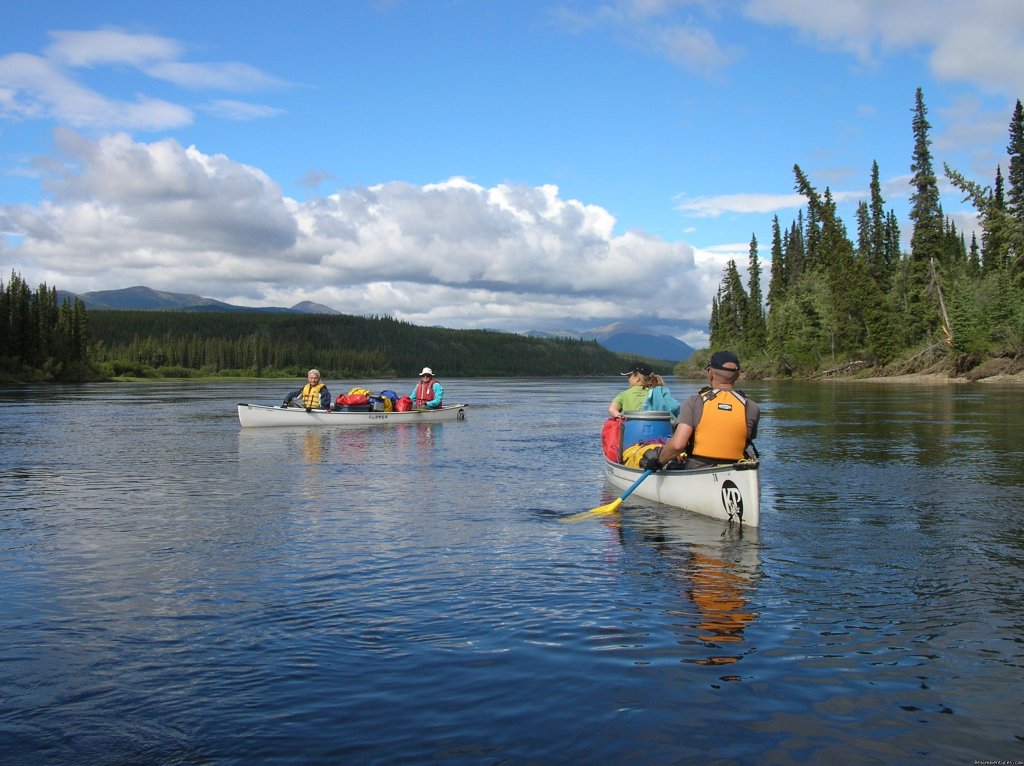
x: 428, y: 393
x: 313, y: 394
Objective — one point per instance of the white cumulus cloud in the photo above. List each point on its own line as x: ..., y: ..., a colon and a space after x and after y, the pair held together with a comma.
x: 452, y: 253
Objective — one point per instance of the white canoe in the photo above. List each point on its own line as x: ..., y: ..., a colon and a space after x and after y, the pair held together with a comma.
x: 262, y: 416
x: 730, y: 492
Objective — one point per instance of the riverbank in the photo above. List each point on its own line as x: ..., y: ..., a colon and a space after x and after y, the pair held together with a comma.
x: 937, y: 379
x: 923, y: 368
x: 997, y: 370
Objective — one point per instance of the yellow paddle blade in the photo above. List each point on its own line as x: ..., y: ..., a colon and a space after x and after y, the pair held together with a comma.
x: 601, y: 510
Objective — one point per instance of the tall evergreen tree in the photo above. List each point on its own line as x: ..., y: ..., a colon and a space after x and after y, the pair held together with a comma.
x: 994, y: 241
x: 974, y: 258
x: 926, y: 210
x: 927, y: 241
x: 879, y: 257
x: 863, y: 231
x: 893, y: 248
x: 714, y: 326
x: 1015, y: 173
x: 755, y: 333
x: 777, y: 282
x: 877, y: 209
x: 794, y: 250
x: 812, y: 227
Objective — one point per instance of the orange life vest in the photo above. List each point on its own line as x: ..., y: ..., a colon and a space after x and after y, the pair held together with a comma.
x: 721, y: 433
x: 424, y: 393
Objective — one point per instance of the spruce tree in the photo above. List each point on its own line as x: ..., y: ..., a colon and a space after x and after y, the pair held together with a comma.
x: 732, y: 309
x: 974, y: 257
x: 755, y: 332
x: 994, y: 244
x: 795, y: 251
x: 863, y: 231
x: 1015, y: 174
x: 927, y: 241
x: 926, y: 211
x: 879, y: 258
x: 812, y: 227
x: 777, y: 282
x: 892, y: 246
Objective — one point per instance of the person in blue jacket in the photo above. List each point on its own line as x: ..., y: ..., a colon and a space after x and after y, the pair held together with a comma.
x: 659, y: 398
x: 428, y: 392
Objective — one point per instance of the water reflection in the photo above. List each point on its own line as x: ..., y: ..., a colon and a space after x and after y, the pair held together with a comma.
x: 859, y: 423
x: 714, y: 567
x: 177, y: 589
x: 318, y: 463
x: 313, y: 446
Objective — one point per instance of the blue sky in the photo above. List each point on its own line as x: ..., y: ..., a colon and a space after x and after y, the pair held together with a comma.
x: 518, y: 165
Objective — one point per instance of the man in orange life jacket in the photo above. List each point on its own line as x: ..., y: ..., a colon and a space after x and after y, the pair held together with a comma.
x: 428, y: 392
x: 715, y: 425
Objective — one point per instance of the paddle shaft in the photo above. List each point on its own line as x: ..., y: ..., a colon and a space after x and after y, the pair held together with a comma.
x: 635, y: 484
x: 613, y: 506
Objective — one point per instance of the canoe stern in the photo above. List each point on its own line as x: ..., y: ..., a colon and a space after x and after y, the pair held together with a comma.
x: 729, y: 492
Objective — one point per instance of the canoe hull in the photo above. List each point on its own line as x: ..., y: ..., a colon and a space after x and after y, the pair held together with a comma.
x: 728, y: 492
x: 263, y: 416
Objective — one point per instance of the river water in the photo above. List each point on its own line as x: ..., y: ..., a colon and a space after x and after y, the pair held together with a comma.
x: 177, y: 590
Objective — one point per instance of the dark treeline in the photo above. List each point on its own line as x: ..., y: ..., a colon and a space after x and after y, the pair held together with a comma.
x: 834, y: 303
x: 41, y: 339
x: 173, y: 343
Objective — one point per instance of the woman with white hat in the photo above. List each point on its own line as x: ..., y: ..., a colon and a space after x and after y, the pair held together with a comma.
x: 428, y: 392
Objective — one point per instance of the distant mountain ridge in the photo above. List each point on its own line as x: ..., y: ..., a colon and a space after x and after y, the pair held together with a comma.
x: 620, y: 337
x: 141, y: 298
x: 625, y: 338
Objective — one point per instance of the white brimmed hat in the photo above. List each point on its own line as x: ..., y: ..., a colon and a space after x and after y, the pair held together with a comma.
x: 427, y: 371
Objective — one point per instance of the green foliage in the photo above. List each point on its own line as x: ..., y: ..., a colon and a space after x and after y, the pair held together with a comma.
x: 39, y: 339
x: 831, y: 301
x: 802, y: 328
x: 730, y: 310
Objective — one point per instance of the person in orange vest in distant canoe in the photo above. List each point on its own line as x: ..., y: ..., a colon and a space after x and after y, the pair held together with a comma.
x: 428, y: 392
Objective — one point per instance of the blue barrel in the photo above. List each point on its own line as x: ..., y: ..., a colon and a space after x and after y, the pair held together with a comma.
x: 643, y: 426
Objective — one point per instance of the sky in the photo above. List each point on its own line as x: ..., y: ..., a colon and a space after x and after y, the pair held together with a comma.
x: 504, y: 164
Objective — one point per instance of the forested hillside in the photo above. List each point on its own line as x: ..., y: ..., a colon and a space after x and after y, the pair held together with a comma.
x: 835, y: 304
x: 42, y: 340
x: 137, y: 343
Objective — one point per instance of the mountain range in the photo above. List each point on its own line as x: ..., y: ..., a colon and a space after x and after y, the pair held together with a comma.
x: 620, y: 337
x: 626, y: 338
x: 147, y: 299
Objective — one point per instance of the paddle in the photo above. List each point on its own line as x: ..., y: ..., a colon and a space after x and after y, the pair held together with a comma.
x: 603, y: 510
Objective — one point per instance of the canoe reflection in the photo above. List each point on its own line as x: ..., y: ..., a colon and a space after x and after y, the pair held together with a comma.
x: 717, y: 567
